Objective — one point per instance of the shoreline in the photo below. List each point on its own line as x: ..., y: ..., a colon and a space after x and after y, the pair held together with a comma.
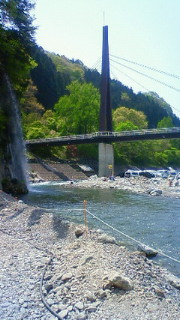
x: 78, y: 282
x: 141, y: 185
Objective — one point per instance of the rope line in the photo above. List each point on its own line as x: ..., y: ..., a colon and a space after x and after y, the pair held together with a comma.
x: 126, y: 235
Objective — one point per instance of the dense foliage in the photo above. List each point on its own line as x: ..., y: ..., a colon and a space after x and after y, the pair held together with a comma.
x: 62, y: 96
x: 78, y: 112
x: 16, y: 39
x: 54, y: 72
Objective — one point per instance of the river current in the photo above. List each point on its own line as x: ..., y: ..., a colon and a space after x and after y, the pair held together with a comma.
x: 154, y: 221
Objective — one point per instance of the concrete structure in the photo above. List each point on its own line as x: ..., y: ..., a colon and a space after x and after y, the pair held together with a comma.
x: 106, y: 152
x: 106, y: 160
x: 105, y: 122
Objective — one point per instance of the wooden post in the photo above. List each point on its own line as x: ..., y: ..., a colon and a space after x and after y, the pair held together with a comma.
x: 85, y: 217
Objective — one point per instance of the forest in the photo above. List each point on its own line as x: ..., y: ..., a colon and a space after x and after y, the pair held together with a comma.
x: 58, y: 96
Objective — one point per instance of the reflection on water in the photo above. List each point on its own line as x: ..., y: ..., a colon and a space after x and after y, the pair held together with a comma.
x: 154, y: 221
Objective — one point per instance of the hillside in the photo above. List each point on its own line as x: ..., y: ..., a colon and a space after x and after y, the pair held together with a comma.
x: 54, y: 72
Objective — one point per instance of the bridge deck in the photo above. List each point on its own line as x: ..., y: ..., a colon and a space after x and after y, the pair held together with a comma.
x: 107, y: 137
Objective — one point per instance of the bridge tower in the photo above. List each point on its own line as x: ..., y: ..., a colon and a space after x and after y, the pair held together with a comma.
x: 106, y: 152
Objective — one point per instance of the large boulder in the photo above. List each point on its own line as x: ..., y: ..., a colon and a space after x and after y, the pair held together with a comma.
x: 118, y: 280
x: 14, y: 186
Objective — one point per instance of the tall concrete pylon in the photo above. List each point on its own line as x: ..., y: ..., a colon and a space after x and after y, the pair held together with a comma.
x: 105, y: 123
x: 106, y: 152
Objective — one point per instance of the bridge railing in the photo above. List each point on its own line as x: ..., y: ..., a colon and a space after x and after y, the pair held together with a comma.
x: 136, y: 132
x: 105, y: 134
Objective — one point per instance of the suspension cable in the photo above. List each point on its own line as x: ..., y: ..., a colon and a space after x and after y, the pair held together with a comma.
x: 135, y: 82
x: 139, y: 84
x: 97, y: 64
x: 145, y: 75
x: 147, y: 67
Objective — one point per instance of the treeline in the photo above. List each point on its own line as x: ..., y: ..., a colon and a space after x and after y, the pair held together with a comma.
x: 55, y: 72
x: 58, y: 96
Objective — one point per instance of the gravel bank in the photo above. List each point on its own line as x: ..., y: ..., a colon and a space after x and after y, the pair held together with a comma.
x: 86, y: 277
x: 153, y: 186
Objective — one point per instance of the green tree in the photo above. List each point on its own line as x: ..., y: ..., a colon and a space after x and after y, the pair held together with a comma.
x: 16, y: 38
x: 78, y: 112
x: 166, y: 122
x: 29, y: 103
x: 138, y: 153
x: 126, y: 115
x: 126, y: 126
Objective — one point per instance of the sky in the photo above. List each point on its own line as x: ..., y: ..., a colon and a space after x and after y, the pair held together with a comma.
x: 146, y: 32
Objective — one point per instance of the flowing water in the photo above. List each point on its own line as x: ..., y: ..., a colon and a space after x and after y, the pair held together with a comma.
x: 155, y: 221
x: 16, y: 143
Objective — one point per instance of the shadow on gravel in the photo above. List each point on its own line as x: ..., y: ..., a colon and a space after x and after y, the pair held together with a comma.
x: 60, y: 227
x: 35, y: 217
x: 16, y: 214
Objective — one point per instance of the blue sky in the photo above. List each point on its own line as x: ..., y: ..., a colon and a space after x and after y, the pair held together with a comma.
x: 144, y: 31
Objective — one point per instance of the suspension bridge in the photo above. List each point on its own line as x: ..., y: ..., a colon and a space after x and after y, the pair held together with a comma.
x: 105, y: 137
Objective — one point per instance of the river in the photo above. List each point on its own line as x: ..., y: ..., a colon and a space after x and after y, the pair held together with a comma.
x: 154, y: 221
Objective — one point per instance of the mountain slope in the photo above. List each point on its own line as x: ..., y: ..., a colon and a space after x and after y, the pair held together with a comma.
x: 54, y: 72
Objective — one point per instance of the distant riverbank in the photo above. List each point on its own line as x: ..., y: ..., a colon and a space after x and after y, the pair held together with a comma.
x: 153, y: 186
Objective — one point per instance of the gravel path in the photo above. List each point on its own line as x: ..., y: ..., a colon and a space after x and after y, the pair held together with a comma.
x: 89, y: 275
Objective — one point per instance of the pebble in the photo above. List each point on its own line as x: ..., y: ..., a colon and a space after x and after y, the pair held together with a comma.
x: 79, y: 306
x: 63, y: 313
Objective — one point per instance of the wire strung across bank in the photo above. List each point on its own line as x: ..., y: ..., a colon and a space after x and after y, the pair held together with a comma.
x: 126, y: 235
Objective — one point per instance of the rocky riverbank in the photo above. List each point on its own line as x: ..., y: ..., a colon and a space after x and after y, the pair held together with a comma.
x: 76, y: 274
x: 153, y: 186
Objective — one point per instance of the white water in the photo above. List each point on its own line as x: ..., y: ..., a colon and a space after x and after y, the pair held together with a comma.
x: 16, y: 145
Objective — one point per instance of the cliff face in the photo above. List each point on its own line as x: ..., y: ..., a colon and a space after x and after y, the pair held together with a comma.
x: 12, y: 176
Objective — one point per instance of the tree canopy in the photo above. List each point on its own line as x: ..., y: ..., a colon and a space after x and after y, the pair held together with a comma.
x: 78, y: 112
x: 16, y: 38
x: 132, y: 118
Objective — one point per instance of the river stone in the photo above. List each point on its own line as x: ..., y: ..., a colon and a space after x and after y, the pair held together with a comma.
x: 81, y: 316
x: 90, y: 296
x: 155, y: 192
x: 50, y: 302
x: 79, y: 232
x: 117, y: 280
x: 174, y: 281
x: 101, y: 294
x: 85, y: 259
x: 48, y: 287
x: 104, y: 238
x: 61, y: 306
x: 150, y: 252
x: 48, y: 277
x: 91, y: 308
x: 79, y: 305
x: 160, y: 292
x: 63, y: 314
x: 66, y: 276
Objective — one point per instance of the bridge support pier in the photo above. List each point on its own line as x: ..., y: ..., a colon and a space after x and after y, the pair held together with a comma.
x: 106, y: 160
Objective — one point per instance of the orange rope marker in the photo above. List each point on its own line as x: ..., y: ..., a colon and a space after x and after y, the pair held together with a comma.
x: 85, y: 217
